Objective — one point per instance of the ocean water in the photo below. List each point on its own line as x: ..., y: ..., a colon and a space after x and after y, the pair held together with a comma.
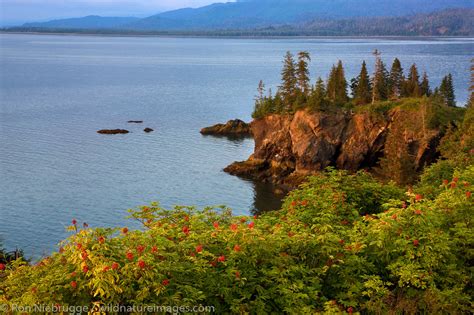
x: 57, y: 91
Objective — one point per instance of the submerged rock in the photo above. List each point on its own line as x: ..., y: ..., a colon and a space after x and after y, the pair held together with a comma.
x: 147, y: 130
x: 112, y: 131
x: 234, y: 127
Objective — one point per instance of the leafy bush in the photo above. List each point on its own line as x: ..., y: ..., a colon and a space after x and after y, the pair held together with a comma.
x: 317, y: 254
x: 431, y: 181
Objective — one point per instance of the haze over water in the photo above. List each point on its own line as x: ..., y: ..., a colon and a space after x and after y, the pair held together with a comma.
x: 57, y: 91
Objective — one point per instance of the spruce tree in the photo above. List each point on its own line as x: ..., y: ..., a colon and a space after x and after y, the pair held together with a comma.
x: 362, y: 93
x: 380, y: 83
x: 413, y: 82
x: 289, y: 81
x: 425, y: 86
x: 302, y: 72
x: 264, y: 105
x: 337, y: 85
x: 341, y: 84
x: 318, y: 96
x: 278, y: 104
x: 378, y: 62
x: 331, y: 85
x: 396, y: 80
x: 446, y: 90
x: 404, y: 88
x: 260, y: 91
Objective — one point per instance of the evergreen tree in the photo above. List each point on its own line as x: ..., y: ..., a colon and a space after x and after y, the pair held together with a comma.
x: 331, y: 85
x: 425, y: 85
x: 302, y: 72
x: 404, y: 88
x: 380, y: 83
x: 413, y: 82
x: 375, y: 84
x: 342, y: 97
x: 289, y: 81
x: 362, y: 93
x: 396, y: 80
x: 260, y: 91
x: 278, y: 104
x: 318, y: 96
x: 446, y: 90
x: 337, y: 85
x: 264, y: 105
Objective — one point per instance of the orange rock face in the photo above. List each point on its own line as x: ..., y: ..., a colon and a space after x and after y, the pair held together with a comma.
x: 290, y: 146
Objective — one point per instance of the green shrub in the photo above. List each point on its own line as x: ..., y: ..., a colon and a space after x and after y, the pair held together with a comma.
x: 316, y: 254
x: 431, y: 181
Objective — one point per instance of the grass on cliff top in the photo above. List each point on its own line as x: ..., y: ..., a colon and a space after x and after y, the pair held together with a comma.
x: 438, y: 115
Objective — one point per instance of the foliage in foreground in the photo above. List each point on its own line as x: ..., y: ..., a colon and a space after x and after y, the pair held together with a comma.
x: 341, y: 243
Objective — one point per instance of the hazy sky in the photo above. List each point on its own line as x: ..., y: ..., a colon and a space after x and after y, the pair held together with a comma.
x: 19, y: 11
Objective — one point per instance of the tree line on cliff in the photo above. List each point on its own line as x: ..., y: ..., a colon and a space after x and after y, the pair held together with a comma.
x: 297, y: 92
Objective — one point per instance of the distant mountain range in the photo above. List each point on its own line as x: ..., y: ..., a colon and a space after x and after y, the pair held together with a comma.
x: 292, y: 17
x: 87, y: 22
x: 262, y: 13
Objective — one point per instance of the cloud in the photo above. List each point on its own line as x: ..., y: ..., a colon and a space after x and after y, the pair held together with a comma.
x: 20, y: 11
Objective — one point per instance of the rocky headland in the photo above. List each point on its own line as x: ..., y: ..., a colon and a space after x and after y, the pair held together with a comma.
x: 289, y: 147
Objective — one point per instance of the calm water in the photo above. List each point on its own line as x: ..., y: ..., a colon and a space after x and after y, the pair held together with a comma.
x: 56, y: 91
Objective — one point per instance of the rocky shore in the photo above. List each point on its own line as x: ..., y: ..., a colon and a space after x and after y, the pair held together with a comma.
x: 290, y: 147
x: 233, y: 128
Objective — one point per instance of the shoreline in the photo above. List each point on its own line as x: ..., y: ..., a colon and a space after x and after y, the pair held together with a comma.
x: 217, y: 36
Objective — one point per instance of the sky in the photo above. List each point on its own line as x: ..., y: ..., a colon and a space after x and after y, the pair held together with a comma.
x: 14, y: 12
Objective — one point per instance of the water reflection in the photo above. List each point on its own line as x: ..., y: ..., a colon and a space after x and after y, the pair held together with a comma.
x: 265, y: 198
x: 235, y: 139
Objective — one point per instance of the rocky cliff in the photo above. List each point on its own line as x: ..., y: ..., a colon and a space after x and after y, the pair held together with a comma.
x: 289, y: 147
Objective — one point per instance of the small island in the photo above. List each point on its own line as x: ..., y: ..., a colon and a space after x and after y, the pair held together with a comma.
x: 112, y: 131
x: 233, y: 128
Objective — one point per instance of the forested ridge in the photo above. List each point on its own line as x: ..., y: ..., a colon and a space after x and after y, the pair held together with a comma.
x: 449, y: 22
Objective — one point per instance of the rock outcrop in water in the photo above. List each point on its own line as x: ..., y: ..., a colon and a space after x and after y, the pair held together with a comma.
x: 112, y: 131
x: 289, y: 147
x: 236, y: 128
